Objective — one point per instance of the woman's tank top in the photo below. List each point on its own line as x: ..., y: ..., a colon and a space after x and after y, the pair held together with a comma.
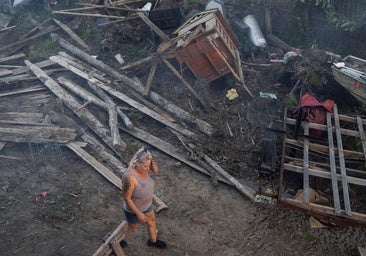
x: 142, y: 196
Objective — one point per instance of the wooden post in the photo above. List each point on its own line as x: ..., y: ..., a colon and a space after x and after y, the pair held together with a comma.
x: 333, y: 170
x: 267, y: 17
x: 150, y: 78
x: 186, y: 84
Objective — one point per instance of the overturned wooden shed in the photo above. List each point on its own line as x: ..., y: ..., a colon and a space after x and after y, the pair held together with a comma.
x: 208, y: 46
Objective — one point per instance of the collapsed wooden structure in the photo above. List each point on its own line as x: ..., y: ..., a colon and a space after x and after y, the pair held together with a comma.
x: 333, y: 166
x: 37, y: 122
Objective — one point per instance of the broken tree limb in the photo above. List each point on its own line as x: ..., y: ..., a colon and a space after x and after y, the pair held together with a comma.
x: 72, y: 34
x: 124, y: 98
x: 89, y: 97
x: 75, y: 106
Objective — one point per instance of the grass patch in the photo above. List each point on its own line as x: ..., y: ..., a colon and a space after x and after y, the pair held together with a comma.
x: 308, y: 236
x: 134, y: 52
x: 43, y: 49
x: 86, y: 32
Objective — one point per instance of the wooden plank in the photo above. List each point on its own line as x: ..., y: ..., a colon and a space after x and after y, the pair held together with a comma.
x: 124, y: 98
x: 88, y: 15
x: 186, y: 84
x: 104, y: 171
x: 357, y: 219
x: 23, y: 118
x: 195, y: 21
x: 72, y: 34
x: 157, y: 99
x: 362, y: 135
x: 325, y: 149
x: 21, y: 91
x: 323, y: 174
x: 89, y: 97
x: 12, y: 57
x: 342, y: 164
x: 150, y: 78
x: 306, y: 164
x: 75, y: 106
x: 37, y: 134
x: 117, y: 250
x: 323, y: 127
x: 167, y: 148
x: 333, y: 171
x: 211, y: 40
x: 117, y: 233
x: 240, y: 72
x: 157, y: 30
x: 2, y: 145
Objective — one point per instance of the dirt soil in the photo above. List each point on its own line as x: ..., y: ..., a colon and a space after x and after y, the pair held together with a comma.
x: 53, y: 203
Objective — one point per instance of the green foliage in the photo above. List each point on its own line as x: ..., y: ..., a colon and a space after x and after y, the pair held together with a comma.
x: 291, y: 100
x: 86, y: 32
x: 335, y: 16
x: 23, y: 16
x: 132, y: 148
x: 43, y: 49
x: 314, y: 79
x: 307, y: 235
x: 135, y: 116
x: 133, y: 52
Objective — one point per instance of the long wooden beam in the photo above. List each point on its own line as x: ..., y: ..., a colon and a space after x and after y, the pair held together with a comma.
x: 75, y: 106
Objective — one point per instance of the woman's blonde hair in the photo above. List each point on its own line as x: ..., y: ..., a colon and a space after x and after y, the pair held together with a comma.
x: 141, y: 156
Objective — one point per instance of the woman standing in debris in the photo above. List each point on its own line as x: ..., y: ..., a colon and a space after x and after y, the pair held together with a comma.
x: 137, y: 190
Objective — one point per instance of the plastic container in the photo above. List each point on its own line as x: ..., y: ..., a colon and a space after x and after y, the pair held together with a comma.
x: 255, y: 32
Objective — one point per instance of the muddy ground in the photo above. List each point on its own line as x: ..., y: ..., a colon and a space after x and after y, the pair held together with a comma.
x: 53, y: 203
x: 81, y: 207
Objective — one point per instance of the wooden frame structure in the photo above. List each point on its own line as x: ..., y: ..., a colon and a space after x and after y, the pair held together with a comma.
x: 112, y: 243
x: 326, y: 163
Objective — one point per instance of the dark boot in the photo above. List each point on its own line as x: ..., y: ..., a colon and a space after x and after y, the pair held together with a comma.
x: 158, y: 244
